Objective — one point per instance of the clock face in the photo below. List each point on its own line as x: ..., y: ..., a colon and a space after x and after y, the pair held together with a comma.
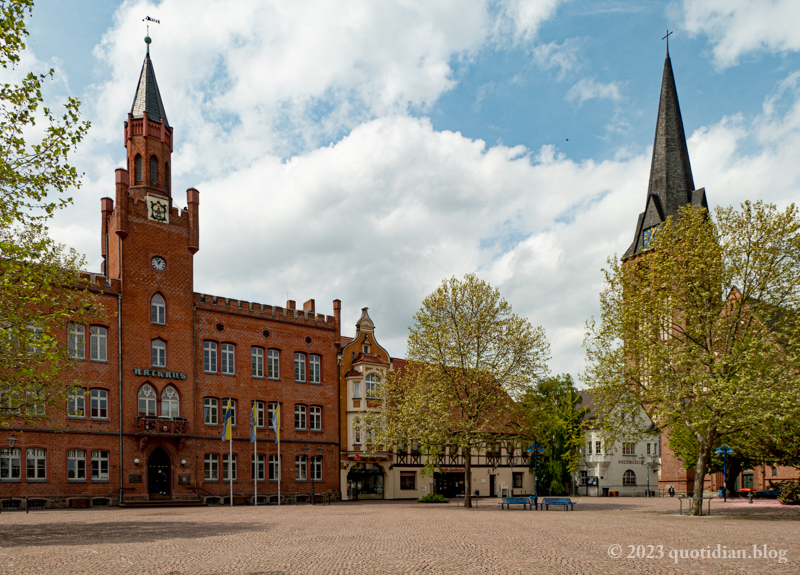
x: 158, y: 263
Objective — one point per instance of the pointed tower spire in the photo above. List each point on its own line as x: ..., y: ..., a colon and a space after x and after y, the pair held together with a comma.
x: 148, y: 97
x: 671, y: 184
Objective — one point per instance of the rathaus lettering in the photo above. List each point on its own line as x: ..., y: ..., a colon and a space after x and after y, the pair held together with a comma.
x: 154, y: 373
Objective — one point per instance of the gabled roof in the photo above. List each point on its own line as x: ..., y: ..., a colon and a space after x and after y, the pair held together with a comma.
x: 671, y: 184
x: 147, y: 97
x: 369, y: 358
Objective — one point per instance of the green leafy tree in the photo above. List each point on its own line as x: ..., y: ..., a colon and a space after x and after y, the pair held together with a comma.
x: 702, y: 330
x: 470, y: 357
x: 39, y: 279
x: 554, y: 418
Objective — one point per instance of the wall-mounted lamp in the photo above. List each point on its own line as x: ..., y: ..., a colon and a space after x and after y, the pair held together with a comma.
x: 136, y: 461
x: 183, y: 462
x: 12, y: 441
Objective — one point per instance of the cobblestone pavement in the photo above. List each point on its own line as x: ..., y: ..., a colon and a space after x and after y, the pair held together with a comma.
x: 373, y: 538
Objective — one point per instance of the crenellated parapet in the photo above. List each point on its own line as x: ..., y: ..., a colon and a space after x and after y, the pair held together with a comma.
x: 307, y: 316
x: 100, y: 282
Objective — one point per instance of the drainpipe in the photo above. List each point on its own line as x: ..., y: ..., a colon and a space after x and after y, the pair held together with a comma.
x: 119, y: 361
x: 194, y: 377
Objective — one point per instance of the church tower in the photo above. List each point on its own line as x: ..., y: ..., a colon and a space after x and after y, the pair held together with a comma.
x: 671, y: 184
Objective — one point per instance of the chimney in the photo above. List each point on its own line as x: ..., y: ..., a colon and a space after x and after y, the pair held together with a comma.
x: 337, y: 315
x: 309, y: 307
x: 122, y: 183
x: 193, y: 199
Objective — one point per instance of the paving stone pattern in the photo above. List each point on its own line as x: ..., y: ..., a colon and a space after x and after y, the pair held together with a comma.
x: 373, y: 538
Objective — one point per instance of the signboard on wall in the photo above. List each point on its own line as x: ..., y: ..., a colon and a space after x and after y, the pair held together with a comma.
x: 134, y: 478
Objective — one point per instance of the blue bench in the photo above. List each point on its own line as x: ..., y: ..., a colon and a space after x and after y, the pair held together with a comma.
x: 526, y: 502
x: 565, y: 501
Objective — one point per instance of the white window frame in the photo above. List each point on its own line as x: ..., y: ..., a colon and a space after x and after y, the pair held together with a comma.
x: 260, y: 423
x: 98, y: 403
x: 316, y: 468
x: 315, y: 369
x: 628, y: 449
x: 10, y: 464
x: 150, y: 399
x: 271, y: 407
x: 259, y: 471
x: 371, y: 385
x: 315, y: 418
x: 211, y: 467
x: 274, y: 468
x: 626, y: 478
x: 158, y: 353
x: 356, y: 390
x: 158, y: 310
x: 273, y: 364
x: 211, y: 411
x: 228, y: 357
x: 301, y: 468
x: 300, y: 417
x: 300, y: 367
x: 35, y: 464
x: 34, y: 409
x: 210, y: 356
x: 170, y: 402
x: 76, y: 465
x: 98, y: 337
x: 100, y: 465
x: 76, y: 404
x: 224, y: 405
x: 76, y: 341
x: 234, y: 471
x: 257, y: 362
x: 356, y: 431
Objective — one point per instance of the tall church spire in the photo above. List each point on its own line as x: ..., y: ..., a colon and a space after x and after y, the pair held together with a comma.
x: 671, y: 184
x: 148, y: 98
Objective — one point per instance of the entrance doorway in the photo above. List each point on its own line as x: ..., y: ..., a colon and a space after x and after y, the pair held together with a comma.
x: 159, y: 472
x: 492, y: 492
x: 365, y: 481
x: 449, y: 484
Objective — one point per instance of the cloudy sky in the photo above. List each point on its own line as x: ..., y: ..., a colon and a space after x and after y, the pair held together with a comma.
x: 366, y: 150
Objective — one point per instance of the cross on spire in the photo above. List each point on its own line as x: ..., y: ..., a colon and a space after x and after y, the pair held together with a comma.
x: 667, y: 39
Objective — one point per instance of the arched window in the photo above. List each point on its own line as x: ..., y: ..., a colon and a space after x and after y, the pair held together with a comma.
x: 372, y: 385
x: 137, y: 168
x: 629, y: 478
x: 153, y: 170
x: 166, y: 176
x: 158, y: 310
x: 147, y: 400
x: 159, y: 353
x: 170, y: 403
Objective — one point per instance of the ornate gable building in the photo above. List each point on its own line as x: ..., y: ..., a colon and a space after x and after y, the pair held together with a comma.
x: 164, y: 365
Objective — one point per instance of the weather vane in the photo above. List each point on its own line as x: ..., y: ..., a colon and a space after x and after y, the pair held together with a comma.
x: 147, y: 40
x: 667, y: 39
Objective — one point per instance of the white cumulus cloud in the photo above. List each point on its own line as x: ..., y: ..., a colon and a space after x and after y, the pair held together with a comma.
x: 589, y: 89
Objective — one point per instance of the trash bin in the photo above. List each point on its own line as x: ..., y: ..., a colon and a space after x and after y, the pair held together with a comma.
x: 477, y: 493
x: 605, y: 491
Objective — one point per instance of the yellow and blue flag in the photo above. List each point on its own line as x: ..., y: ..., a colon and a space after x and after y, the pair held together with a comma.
x: 227, y: 433
x: 276, y: 421
x: 253, y: 424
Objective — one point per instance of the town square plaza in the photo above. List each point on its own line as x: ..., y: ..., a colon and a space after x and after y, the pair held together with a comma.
x: 602, y: 535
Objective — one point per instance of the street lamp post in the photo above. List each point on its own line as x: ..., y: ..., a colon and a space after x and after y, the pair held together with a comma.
x: 724, y: 450
x: 320, y: 451
x: 536, y: 449
x: 304, y: 449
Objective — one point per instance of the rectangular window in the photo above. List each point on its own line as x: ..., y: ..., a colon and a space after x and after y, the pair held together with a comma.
x: 210, y: 357
x: 408, y: 480
x: 211, y: 467
x: 76, y: 341
x: 300, y: 468
x: 648, y: 449
x: 584, y: 478
x: 99, y: 403
x: 233, y: 409
x: 274, y: 472
x: 34, y: 408
x: 300, y: 367
x: 372, y: 385
x: 10, y: 466
x: 256, y: 362
x: 271, y: 407
x: 76, y: 465
x: 316, y: 468
x: 300, y: 417
x: 628, y: 449
x: 227, y: 359
x: 258, y: 466
x: 356, y: 390
x: 210, y: 411
x: 76, y: 403
x: 357, y: 431
x: 98, y: 339
x: 259, y: 414
x: 517, y: 480
x: 314, y: 372
x: 597, y: 446
x: 36, y: 464
x: 315, y: 418
x: 159, y: 353
x: 273, y: 364
x: 99, y: 465
x: 225, y: 467
x: 589, y: 448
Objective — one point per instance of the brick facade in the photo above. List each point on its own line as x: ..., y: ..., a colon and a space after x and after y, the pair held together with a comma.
x: 136, y: 237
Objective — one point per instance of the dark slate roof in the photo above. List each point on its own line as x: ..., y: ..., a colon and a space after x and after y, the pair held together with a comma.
x: 671, y: 183
x: 147, y: 97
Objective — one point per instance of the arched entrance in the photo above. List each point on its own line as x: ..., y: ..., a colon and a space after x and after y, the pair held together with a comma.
x: 159, y: 472
x: 365, y: 481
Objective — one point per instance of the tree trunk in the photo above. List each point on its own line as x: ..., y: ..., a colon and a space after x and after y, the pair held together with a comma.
x: 703, y: 458
x: 467, y: 476
x: 734, y: 468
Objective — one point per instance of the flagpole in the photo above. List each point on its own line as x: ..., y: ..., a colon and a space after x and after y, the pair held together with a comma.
x: 230, y: 465
x: 280, y: 463
x: 255, y: 462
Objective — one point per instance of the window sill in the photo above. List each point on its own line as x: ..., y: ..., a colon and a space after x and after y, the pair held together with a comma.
x: 36, y: 481
x: 99, y: 419
x: 212, y: 480
x: 101, y: 480
x: 316, y: 431
x: 278, y: 379
x: 18, y: 480
x: 99, y: 361
x: 298, y: 429
x: 76, y: 418
x: 301, y: 480
x: 211, y: 424
x: 76, y: 481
